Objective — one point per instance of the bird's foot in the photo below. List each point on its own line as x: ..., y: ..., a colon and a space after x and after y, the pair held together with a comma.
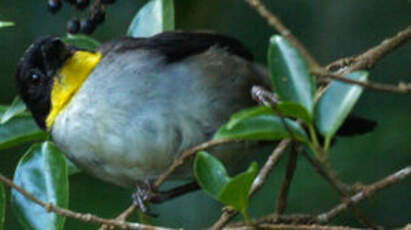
x: 145, y: 195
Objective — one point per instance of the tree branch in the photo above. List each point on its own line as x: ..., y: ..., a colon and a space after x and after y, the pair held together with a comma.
x: 400, y: 88
x: 291, y: 166
x: 368, y: 59
x: 188, y: 154
x: 275, y: 22
x: 366, y: 193
x: 85, y: 217
x: 163, y: 177
x: 337, y: 186
x: 338, y: 69
x: 291, y: 226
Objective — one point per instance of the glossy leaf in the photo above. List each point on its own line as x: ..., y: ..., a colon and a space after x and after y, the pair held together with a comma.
x: 43, y: 172
x: 17, y: 107
x: 336, y: 103
x: 72, y: 168
x: 290, y: 73
x: 81, y: 41
x: 155, y: 17
x: 6, y: 24
x: 262, y: 127
x: 2, y: 206
x: 214, y: 180
x: 248, y: 113
x: 18, y: 130
x: 210, y: 173
x: 294, y: 110
x: 286, y: 109
x: 236, y: 192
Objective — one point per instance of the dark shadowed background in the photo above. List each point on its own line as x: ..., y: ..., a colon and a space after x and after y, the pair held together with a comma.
x: 330, y: 29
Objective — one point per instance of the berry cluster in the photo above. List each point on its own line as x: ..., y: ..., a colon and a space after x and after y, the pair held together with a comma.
x: 96, y: 14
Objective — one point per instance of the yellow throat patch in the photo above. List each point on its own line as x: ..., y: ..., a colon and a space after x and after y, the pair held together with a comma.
x: 69, y: 80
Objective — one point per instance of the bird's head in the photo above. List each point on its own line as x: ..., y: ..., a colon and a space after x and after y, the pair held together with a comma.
x: 49, y: 74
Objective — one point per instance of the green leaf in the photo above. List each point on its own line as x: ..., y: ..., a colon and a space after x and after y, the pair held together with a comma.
x: 235, y: 192
x: 210, y: 173
x: 43, y: 172
x: 17, y: 107
x: 18, y: 130
x: 290, y: 73
x: 248, y: 113
x: 81, y: 41
x: 155, y: 17
x: 287, y: 109
x: 294, y: 110
x: 2, y: 206
x: 262, y: 127
x: 212, y: 176
x: 72, y: 168
x: 6, y: 24
x: 336, y: 103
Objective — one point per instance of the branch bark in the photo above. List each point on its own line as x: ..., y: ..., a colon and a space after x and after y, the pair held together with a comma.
x: 400, y: 88
x: 276, y: 23
x: 366, y: 193
x: 285, y: 187
x: 85, y: 217
x: 369, y: 58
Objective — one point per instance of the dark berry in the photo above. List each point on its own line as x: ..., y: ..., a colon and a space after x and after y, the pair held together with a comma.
x: 81, y: 4
x: 73, y: 26
x: 87, y: 26
x: 98, y: 16
x: 54, y: 6
x: 107, y: 1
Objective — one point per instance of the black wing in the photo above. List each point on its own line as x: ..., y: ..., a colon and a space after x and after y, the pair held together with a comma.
x: 178, y: 45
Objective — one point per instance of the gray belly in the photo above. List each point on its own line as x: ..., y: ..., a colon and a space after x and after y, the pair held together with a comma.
x: 135, y: 114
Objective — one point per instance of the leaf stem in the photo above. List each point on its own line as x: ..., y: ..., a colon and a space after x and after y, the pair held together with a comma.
x: 326, y: 147
x: 313, y: 135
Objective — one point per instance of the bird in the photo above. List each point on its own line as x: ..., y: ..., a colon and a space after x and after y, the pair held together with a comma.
x: 127, y: 110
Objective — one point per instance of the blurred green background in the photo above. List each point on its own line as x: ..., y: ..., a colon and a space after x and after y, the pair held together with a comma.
x: 330, y: 29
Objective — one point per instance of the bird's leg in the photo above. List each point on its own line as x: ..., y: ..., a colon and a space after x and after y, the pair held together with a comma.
x: 145, y: 195
x: 162, y: 196
x: 142, y: 196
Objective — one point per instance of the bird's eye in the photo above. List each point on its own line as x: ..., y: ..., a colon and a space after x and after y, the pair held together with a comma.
x: 35, y: 78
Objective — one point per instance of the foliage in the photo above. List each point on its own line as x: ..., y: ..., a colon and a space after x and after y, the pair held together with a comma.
x: 214, y: 179
x: 44, y: 171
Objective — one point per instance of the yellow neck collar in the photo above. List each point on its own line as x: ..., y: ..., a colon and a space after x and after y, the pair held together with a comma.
x: 69, y: 80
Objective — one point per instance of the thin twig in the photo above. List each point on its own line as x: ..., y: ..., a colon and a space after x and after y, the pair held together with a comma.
x: 265, y: 98
x: 85, y: 217
x: 282, y: 197
x: 291, y: 226
x: 269, y: 166
x: 163, y: 177
x: 185, y: 155
x: 323, y: 218
x: 345, y: 198
x: 122, y: 217
x: 275, y: 22
x: 368, y: 59
x: 400, y: 88
x: 366, y: 193
x: 338, y: 69
x: 259, y: 181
